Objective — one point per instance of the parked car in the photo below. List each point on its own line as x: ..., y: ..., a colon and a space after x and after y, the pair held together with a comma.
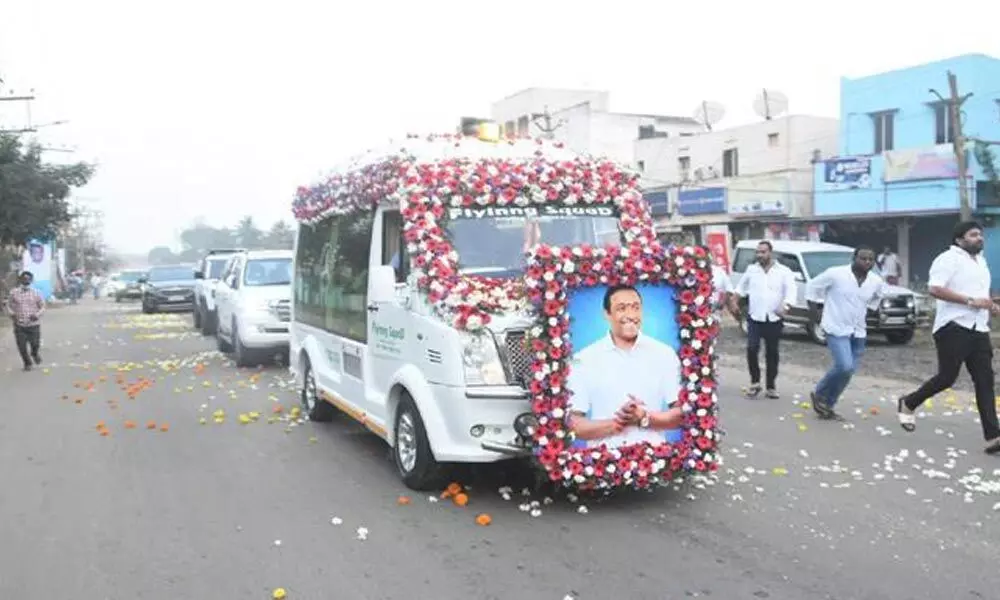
x: 128, y: 284
x: 168, y: 288
x: 896, y: 316
x: 253, y: 303
x: 207, y: 275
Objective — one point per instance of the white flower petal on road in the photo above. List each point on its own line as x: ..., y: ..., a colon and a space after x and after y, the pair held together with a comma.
x: 536, y: 512
x: 583, y: 509
x: 277, y: 542
x: 362, y: 533
x: 336, y: 521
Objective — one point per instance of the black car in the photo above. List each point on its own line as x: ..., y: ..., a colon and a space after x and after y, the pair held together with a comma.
x: 168, y: 288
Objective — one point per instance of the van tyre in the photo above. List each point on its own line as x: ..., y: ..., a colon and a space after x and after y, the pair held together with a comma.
x: 816, y: 333
x: 208, y: 326
x: 197, y: 317
x: 316, y: 408
x: 412, y: 450
x: 222, y: 344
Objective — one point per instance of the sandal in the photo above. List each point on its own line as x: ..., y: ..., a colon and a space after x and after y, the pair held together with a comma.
x: 993, y: 447
x: 908, y: 421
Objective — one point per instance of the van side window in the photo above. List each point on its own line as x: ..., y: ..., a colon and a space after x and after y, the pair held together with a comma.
x: 393, y: 250
x: 346, y: 268
x: 744, y: 257
x: 789, y: 260
x: 309, y: 292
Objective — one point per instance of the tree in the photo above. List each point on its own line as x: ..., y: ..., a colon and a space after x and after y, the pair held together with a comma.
x: 33, y: 193
x: 987, y: 160
x: 161, y: 255
x: 247, y: 235
x: 281, y: 236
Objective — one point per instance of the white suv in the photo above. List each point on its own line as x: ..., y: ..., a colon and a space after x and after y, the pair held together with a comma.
x: 253, y: 305
x: 207, y: 275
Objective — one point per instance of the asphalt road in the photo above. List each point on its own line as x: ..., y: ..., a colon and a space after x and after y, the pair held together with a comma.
x: 802, y: 509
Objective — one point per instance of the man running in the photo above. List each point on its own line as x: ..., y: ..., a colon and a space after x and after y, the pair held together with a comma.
x: 842, y: 295
x: 770, y: 287
x: 26, y: 306
x: 960, y: 281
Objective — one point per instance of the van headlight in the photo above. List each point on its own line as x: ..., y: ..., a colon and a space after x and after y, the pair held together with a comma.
x: 481, y: 359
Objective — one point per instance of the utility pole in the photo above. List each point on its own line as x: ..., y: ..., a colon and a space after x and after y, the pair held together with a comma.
x: 954, y: 103
x: 548, y: 129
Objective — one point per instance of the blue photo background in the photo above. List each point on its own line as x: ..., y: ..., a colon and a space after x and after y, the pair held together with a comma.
x: 659, y: 320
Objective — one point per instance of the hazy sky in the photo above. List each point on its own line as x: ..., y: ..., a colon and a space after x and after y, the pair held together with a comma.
x: 215, y: 109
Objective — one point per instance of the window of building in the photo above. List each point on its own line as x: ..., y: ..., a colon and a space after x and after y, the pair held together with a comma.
x: 884, y: 134
x: 331, y: 278
x: 510, y: 130
x: 772, y: 140
x: 730, y: 163
x: 684, y: 164
x: 522, y: 127
x: 642, y: 165
x: 943, y: 133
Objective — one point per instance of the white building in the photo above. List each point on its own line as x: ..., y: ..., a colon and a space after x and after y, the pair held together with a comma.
x: 583, y: 121
x: 756, y: 175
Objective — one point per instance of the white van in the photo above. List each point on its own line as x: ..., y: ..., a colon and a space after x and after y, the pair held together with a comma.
x: 896, y: 317
x: 367, y: 341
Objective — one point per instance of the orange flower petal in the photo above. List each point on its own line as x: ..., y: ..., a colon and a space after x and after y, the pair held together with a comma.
x: 151, y: 425
x: 453, y: 488
x: 165, y: 427
x: 461, y: 499
x: 403, y: 500
x: 483, y: 519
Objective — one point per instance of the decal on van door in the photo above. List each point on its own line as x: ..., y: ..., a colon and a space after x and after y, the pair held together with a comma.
x: 387, y: 341
x: 352, y: 361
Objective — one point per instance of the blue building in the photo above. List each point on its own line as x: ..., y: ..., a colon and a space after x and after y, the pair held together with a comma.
x: 895, y: 182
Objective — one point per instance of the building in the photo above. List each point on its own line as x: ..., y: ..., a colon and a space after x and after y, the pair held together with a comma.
x: 582, y: 119
x: 895, y: 179
x: 743, y: 182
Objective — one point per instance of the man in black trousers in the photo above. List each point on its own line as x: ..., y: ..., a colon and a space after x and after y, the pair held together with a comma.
x: 26, y: 306
x: 960, y: 281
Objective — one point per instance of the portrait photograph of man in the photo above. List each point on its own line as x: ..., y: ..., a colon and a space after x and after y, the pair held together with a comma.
x: 625, y: 372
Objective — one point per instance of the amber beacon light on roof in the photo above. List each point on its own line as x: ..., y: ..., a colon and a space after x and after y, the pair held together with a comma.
x: 483, y: 129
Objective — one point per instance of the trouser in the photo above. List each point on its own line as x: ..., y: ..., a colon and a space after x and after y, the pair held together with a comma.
x: 770, y: 333
x: 29, y: 336
x: 957, y: 345
x: 846, y: 351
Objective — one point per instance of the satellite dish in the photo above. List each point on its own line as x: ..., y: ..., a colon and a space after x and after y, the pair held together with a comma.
x: 709, y: 113
x: 770, y: 104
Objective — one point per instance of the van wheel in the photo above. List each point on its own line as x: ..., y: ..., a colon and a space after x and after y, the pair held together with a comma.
x: 222, y: 344
x: 412, y: 450
x: 316, y: 408
x: 243, y: 356
x: 816, y: 333
x: 196, y: 313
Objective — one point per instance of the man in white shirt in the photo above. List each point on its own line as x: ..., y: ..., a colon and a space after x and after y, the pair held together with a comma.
x: 770, y: 287
x: 960, y: 281
x: 622, y: 385
x: 888, y: 264
x: 843, y: 295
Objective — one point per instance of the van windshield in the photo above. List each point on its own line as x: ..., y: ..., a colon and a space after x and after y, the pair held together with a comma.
x: 491, y: 241
x: 818, y: 262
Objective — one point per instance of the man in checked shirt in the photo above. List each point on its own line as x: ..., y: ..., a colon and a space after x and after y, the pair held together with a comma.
x: 26, y: 306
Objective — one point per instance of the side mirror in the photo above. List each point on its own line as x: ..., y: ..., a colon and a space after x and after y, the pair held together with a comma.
x: 382, y: 284
x: 199, y: 275
x: 800, y: 277
x: 143, y: 279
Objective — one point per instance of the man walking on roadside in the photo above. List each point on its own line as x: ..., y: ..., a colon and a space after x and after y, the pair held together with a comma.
x: 960, y: 281
x: 770, y: 288
x: 839, y: 299
x: 26, y: 306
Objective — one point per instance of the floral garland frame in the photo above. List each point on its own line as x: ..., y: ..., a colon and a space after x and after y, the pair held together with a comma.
x: 552, y: 273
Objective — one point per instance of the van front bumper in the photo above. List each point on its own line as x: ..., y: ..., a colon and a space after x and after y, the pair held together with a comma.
x: 477, y: 424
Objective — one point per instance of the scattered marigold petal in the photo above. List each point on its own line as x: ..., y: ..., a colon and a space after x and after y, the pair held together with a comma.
x: 461, y: 499
x: 873, y: 410
x: 453, y: 488
x: 151, y: 425
x: 483, y: 519
x: 403, y: 500
x: 165, y: 427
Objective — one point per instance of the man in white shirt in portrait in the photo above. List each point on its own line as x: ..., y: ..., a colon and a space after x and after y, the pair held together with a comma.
x: 722, y: 289
x: 960, y: 281
x: 888, y: 264
x: 622, y: 385
x: 770, y: 289
x: 843, y: 295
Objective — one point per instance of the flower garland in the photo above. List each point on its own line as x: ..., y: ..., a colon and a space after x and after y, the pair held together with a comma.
x: 552, y: 272
x: 425, y: 189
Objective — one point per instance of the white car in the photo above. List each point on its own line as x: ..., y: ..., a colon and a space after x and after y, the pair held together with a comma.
x: 897, y: 316
x: 207, y: 275
x: 253, y: 305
